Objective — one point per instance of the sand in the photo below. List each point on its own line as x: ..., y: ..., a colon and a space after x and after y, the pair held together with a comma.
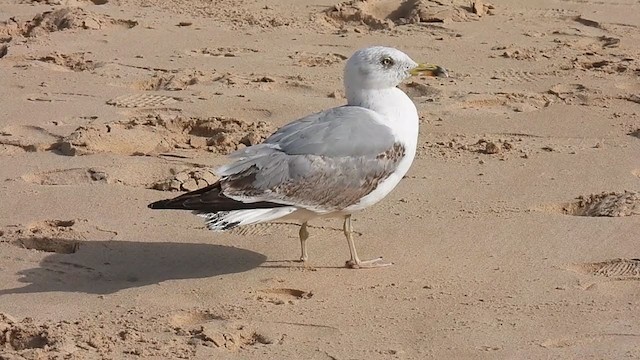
x: 513, y: 236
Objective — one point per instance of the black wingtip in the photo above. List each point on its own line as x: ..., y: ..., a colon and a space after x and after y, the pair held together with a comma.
x: 162, y: 204
x: 209, y: 200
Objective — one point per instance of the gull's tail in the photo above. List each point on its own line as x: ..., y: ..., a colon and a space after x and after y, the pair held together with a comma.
x: 221, y: 212
x: 226, y: 220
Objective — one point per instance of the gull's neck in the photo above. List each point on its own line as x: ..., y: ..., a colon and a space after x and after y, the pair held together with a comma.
x: 394, y: 105
x: 384, y: 101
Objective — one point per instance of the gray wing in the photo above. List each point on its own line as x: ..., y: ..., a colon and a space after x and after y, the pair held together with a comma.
x: 345, y: 130
x: 323, y: 162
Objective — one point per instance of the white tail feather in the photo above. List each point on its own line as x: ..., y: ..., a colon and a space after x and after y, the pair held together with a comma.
x: 226, y: 220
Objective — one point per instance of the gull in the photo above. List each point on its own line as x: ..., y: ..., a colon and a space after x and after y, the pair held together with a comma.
x: 332, y: 163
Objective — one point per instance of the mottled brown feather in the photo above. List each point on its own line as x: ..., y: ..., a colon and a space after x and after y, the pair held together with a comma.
x: 333, y: 183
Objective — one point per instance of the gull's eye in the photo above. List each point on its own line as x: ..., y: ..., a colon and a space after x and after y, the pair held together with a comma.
x: 386, y: 61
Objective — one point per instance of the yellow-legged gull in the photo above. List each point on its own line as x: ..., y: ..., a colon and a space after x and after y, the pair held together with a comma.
x: 329, y: 164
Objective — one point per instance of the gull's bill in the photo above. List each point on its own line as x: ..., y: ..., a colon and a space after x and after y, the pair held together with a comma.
x: 429, y: 70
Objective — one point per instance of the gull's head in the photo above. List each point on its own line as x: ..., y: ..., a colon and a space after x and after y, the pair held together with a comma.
x: 380, y: 67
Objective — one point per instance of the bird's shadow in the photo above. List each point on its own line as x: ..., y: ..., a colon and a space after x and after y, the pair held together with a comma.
x: 104, y: 267
x: 295, y: 264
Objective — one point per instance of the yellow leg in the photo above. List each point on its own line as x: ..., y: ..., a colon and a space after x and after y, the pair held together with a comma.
x: 355, y: 262
x: 304, y: 235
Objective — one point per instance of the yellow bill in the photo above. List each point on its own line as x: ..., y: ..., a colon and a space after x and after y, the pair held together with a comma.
x: 429, y: 70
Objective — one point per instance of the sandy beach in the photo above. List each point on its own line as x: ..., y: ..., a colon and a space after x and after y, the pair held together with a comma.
x: 513, y: 236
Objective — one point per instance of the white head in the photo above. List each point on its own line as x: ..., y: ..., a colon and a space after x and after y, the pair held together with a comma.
x: 380, y: 67
x: 377, y: 67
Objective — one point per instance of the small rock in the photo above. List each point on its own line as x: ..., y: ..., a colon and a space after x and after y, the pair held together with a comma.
x: 478, y: 7
x: 185, y: 23
x: 3, y: 50
x: 198, y: 142
x: 193, y: 342
x: 182, y: 177
x: 190, y: 185
x: 251, y: 139
x: 491, y: 148
x: 219, y: 139
x: 213, y: 333
x: 440, y: 16
x: 90, y: 23
x: 633, y: 98
x: 98, y: 175
x: 196, y: 174
x: 6, y: 318
x: 161, y: 185
x: 209, y: 177
x: 524, y: 107
x: 182, y: 146
x: 336, y: 94
x: 265, y: 79
x: 174, y: 185
x: 201, y: 183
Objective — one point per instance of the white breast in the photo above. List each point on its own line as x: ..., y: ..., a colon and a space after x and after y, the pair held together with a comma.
x: 401, y: 115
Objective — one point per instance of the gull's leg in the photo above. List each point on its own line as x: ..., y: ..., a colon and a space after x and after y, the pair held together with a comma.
x: 355, y: 262
x: 304, y: 235
x: 352, y: 247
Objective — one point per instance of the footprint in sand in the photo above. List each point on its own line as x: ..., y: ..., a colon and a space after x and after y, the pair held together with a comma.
x: 135, y: 173
x: 610, y: 204
x: 26, y: 138
x: 504, y: 102
x: 56, y: 236
x: 294, y: 83
x: 68, y: 18
x: 578, y: 94
x: 222, y: 51
x: 196, y: 317
x: 230, y: 335
x: 280, y: 296
x: 514, y: 76
x: 23, y: 335
x: 302, y: 58
x: 74, y: 176
x: 143, y: 101
x: 615, y: 268
x: 174, y: 81
x: 67, y: 62
x: 501, y: 146
x: 387, y: 14
x: 208, y: 329
x: 616, y: 338
x: 156, y: 134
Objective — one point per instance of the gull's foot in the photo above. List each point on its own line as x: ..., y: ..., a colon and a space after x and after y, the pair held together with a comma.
x: 367, y: 264
x: 305, y: 264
